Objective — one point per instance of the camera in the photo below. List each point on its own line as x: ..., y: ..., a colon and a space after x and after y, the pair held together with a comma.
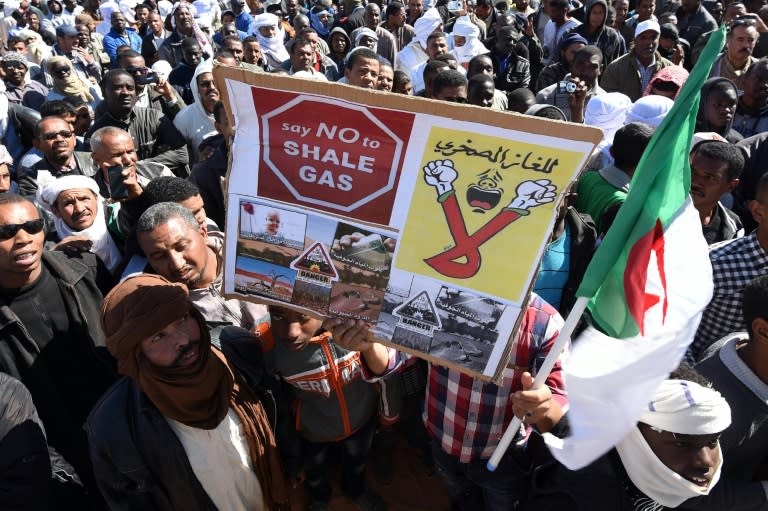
x: 454, y: 6
x: 566, y: 87
x: 147, y: 78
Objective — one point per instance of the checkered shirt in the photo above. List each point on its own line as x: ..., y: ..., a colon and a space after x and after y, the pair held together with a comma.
x: 735, y: 263
x: 469, y: 416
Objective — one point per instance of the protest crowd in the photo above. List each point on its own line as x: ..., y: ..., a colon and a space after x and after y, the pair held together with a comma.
x: 127, y: 380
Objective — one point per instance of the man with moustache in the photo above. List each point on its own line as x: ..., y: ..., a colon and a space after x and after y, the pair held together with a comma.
x: 737, y: 56
x: 631, y: 73
x: 50, y: 334
x: 54, y: 137
x: 181, y: 250
x: 18, y: 89
x: 190, y: 426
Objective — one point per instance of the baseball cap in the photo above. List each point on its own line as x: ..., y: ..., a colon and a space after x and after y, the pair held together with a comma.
x: 646, y: 26
x: 66, y: 30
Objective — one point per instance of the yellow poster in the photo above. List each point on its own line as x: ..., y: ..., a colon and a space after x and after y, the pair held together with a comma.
x: 480, y: 209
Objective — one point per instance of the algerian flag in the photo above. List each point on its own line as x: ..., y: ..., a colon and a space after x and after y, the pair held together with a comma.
x: 649, y: 282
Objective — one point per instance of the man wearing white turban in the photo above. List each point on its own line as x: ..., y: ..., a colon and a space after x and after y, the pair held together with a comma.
x: 466, y: 41
x: 673, y: 455
x: 607, y: 112
x: 415, y: 53
x: 649, y: 109
x: 271, y: 37
x: 78, y: 211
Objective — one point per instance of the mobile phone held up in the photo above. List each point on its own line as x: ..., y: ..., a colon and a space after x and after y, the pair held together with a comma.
x: 117, y: 189
x: 147, y: 78
x: 454, y: 6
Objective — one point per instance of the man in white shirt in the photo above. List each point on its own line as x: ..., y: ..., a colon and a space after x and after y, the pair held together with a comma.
x: 190, y: 427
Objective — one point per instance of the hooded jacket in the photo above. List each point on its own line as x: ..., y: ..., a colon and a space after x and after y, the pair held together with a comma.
x: 193, y: 122
x: 606, y: 38
x: 702, y: 125
x: 339, y: 61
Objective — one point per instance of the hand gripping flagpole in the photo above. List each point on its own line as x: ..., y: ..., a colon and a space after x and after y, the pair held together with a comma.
x: 541, y: 376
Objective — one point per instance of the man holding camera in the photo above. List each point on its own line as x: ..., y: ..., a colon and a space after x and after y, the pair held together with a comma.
x: 572, y: 94
x: 152, y: 90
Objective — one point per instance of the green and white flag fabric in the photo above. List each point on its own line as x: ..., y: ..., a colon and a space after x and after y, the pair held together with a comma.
x: 648, y: 282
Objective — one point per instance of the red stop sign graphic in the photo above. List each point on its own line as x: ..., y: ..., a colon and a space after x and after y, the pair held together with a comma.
x: 330, y: 153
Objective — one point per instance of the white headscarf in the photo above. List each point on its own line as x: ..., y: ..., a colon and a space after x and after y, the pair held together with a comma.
x: 103, y: 246
x: 472, y: 45
x: 607, y: 111
x: 202, y: 39
x: 428, y: 23
x: 682, y: 407
x: 272, y: 45
x: 650, y: 109
x: 106, y: 9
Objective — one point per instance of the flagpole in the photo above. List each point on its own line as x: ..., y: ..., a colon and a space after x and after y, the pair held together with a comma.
x: 541, y: 376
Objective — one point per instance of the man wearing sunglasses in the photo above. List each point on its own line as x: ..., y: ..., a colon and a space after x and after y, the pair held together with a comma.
x: 55, y: 138
x: 51, y: 337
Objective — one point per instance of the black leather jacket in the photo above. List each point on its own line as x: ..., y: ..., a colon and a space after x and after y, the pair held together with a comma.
x: 138, y: 460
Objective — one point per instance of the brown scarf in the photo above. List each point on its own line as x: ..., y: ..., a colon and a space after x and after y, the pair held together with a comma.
x: 72, y: 85
x: 200, y: 395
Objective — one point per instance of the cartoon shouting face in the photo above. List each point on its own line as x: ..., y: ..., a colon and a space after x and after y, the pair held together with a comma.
x: 486, y: 193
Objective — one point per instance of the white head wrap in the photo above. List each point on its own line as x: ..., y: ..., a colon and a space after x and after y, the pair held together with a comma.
x: 5, y: 156
x: 650, y: 109
x: 272, y: 45
x: 472, y: 46
x: 127, y: 8
x: 162, y: 67
x: 607, y: 111
x: 681, y: 407
x: 103, y: 246
x: 428, y: 23
x: 359, y: 33
x: 687, y: 408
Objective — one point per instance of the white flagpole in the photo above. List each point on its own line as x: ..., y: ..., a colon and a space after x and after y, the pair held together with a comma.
x: 541, y: 376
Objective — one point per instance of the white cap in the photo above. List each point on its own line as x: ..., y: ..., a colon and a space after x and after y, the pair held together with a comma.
x: 647, y: 25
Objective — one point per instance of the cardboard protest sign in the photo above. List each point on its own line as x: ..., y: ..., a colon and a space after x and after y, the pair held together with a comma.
x: 426, y: 219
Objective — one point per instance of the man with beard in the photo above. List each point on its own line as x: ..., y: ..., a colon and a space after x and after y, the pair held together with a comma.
x: 737, y: 56
x: 512, y: 71
x: 184, y: 23
x: 155, y: 138
x: 195, y: 122
x: 18, y: 89
x: 631, y: 73
x: 54, y: 138
x: 188, y: 427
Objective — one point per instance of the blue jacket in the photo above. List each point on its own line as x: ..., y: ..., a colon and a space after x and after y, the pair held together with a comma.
x: 113, y: 40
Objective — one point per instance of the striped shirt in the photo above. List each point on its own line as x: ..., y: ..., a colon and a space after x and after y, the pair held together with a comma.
x: 469, y: 416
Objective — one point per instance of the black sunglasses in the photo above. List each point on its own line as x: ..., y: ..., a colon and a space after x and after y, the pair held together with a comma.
x: 8, y: 231
x: 52, y: 135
